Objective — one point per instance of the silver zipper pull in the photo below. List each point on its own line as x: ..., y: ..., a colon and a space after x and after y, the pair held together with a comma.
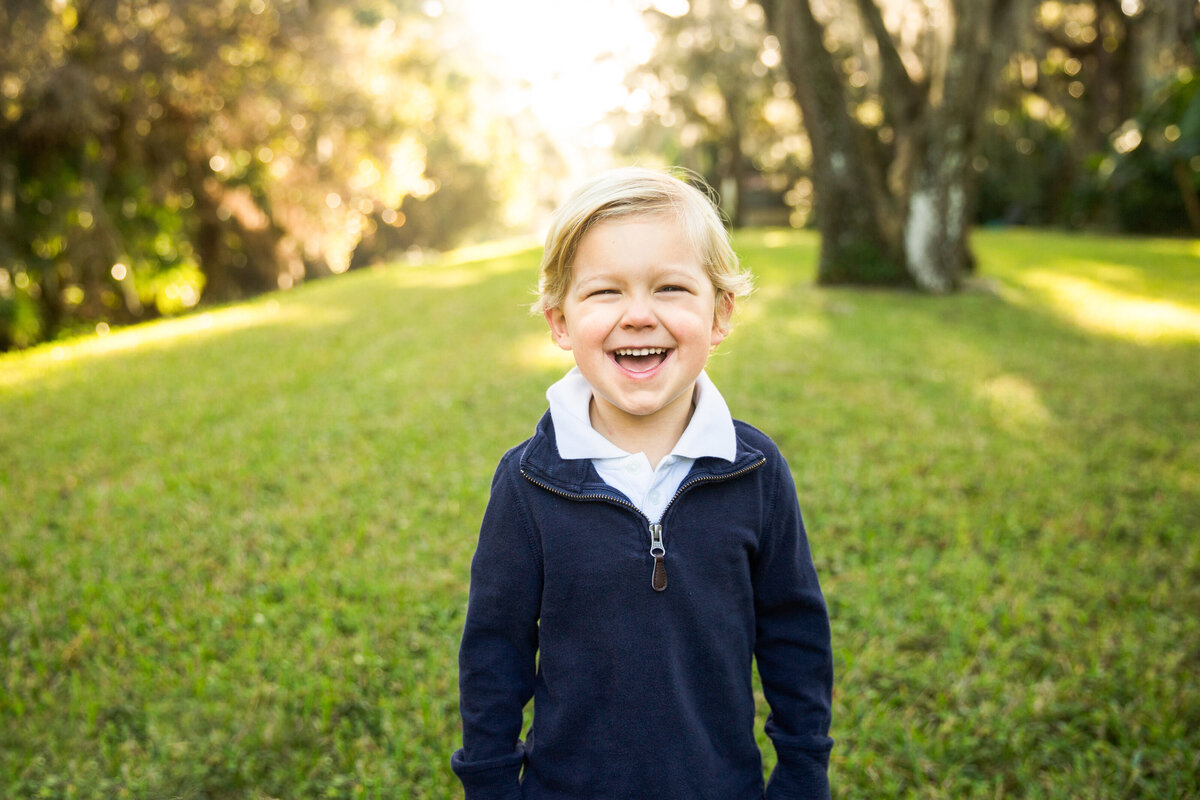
x: 658, y: 579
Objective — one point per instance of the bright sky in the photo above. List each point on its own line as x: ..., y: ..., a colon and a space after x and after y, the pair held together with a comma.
x: 566, y: 58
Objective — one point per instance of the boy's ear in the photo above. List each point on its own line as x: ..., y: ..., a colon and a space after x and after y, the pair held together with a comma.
x: 558, y: 327
x: 722, y: 317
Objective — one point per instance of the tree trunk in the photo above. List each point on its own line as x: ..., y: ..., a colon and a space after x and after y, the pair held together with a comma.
x: 904, y: 218
x: 736, y: 167
x: 237, y: 260
x: 859, y: 238
x: 936, y: 225
x: 1187, y: 191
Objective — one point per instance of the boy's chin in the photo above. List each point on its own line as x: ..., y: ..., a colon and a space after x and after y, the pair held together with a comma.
x: 644, y: 409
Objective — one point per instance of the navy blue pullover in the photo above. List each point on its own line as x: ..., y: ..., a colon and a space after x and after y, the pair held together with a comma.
x: 638, y: 692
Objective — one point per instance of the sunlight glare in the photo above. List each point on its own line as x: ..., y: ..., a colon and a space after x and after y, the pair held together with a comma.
x: 538, y: 351
x: 782, y: 238
x: 469, y: 265
x: 566, y: 62
x: 488, y: 251
x: 150, y: 335
x: 1015, y: 402
x: 1102, y: 309
x: 672, y: 8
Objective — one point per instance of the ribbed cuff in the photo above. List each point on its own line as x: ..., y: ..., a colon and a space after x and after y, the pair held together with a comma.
x: 492, y: 779
x: 802, y: 771
x: 798, y: 784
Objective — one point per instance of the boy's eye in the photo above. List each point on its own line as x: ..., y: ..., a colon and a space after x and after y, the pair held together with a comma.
x: 596, y: 292
x: 672, y: 288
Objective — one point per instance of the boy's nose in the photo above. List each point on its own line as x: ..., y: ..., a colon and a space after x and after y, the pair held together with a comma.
x: 638, y: 313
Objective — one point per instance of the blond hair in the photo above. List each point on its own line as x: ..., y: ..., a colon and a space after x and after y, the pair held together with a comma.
x: 636, y: 191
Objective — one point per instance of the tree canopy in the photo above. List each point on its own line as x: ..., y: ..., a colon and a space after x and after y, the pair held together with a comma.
x: 919, y: 119
x: 156, y: 151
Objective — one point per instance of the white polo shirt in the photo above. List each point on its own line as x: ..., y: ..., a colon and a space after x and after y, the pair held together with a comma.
x: 709, y: 433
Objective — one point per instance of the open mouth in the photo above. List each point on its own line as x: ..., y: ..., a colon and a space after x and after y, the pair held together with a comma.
x: 640, y: 359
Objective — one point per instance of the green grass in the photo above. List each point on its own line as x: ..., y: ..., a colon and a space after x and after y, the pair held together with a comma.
x: 234, y: 547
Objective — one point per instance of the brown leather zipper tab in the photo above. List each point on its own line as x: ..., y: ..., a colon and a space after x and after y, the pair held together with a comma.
x: 658, y: 581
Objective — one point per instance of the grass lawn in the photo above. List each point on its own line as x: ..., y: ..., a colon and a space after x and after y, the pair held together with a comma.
x: 234, y: 546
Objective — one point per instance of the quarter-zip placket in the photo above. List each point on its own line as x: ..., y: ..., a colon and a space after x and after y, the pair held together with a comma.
x: 658, y: 548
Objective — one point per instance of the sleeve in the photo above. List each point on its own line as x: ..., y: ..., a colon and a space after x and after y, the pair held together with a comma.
x: 499, y: 646
x: 793, y: 650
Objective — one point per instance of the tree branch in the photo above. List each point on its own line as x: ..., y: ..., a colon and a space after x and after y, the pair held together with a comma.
x: 903, y: 96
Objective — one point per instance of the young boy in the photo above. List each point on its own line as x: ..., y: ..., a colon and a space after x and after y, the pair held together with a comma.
x: 642, y: 547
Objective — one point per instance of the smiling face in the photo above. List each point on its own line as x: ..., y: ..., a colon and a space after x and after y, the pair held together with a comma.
x: 640, y: 318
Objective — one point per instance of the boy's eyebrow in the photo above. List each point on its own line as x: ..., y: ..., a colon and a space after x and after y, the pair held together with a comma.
x: 681, y: 275
x: 593, y: 278
x: 660, y: 272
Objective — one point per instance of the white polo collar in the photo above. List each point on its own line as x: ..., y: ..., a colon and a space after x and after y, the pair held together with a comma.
x: 709, y: 432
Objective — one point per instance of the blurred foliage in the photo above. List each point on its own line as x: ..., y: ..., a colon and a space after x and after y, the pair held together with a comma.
x: 714, y: 98
x: 1153, y: 179
x: 1091, y: 126
x: 157, y: 152
x: 1094, y: 123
